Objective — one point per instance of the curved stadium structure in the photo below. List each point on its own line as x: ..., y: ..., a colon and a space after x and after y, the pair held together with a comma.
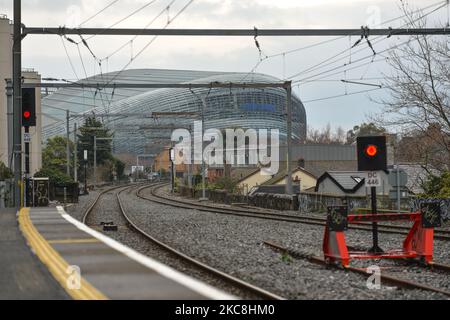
x: 225, y: 108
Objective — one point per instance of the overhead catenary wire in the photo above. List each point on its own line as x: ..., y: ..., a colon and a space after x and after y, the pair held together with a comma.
x: 124, y: 18
x: 370, y: 56
x: 331, y: 40
x: 323, y: 63
x: 152, y: 40
x: 98, y: 12
x: 136, y: 36
x: 342, y: 95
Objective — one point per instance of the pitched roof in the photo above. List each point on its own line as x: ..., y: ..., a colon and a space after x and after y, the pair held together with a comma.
x: 347, y: 181
x: 243, y: 173
x: 282, y: 174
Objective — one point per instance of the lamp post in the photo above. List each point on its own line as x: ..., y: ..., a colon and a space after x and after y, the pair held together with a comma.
x: 172, y: 167
x: 85, y: 158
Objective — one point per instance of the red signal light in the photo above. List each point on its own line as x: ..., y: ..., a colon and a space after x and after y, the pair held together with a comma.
x: 371, y: 150
x: 26, y: 114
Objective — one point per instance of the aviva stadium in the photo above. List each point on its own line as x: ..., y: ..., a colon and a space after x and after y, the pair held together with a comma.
x: 138, y: 134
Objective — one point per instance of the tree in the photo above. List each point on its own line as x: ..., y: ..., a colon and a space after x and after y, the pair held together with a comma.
x: 92, y: 127
x: 54, y: 160
x: 419, y: 103
x: 325, y: 135
x: 364, y: 130
x: 54, y: 154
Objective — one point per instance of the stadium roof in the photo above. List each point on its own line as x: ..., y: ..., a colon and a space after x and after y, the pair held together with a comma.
x: 243, y: 108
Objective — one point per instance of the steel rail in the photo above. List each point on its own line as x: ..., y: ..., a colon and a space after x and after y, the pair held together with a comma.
x: 91, y: 207
x: 385, y: 278
x: 222, y: 275
x: 389, y: 229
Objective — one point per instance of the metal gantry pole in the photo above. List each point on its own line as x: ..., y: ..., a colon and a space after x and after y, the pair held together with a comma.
x: 237, y: 32
x: 17, y: 87
x: 68, y: 143
x: 75, y: 153
x: 289, y: 139
x: 204, y: 198
x: 95, y: 162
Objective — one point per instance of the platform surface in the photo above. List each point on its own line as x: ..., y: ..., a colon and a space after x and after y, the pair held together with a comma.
x: 22, y: 275
x: 108, y: 269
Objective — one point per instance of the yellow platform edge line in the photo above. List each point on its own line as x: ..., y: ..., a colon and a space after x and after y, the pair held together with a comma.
x: 55, y: 263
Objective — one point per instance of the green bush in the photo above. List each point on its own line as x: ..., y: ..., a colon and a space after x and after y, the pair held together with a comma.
x: 54, y: 175
x: 223, y: 183
x: 437, y: 186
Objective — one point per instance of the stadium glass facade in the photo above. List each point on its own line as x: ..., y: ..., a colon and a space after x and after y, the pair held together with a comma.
x: 225, y: 108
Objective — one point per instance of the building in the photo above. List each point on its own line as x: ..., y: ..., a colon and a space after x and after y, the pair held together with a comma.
x: 29, y: 76
x: 320, y: 158
x: 302, y: 179
x: 225, y: 108
x: 5, y: 73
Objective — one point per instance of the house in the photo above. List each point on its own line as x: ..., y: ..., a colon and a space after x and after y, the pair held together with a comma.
x: 344, y: 183
x: 301, y: 178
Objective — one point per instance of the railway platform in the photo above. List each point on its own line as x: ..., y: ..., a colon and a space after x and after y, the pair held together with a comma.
x: 77, y: 262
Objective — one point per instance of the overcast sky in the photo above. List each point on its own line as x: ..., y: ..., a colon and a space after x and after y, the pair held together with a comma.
x: 46, y: 53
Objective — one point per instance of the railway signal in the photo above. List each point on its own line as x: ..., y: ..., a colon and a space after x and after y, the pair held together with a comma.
x: 28, y: 107
x: 372, y: 153
x: 419, y: 240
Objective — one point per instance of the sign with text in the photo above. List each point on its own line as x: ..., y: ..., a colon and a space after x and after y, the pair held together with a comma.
x: 373, y: 179
x: 137, y: 169
x: 27, y: 137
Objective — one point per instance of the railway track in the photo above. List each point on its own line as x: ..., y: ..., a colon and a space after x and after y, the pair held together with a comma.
x: 440, y: 234
x: 254, y: 290
x: 385, y: 277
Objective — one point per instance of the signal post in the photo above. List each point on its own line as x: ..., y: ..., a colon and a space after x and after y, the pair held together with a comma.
x: 418, y: 243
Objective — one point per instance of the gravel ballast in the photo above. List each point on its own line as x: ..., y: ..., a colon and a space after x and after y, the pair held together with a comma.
x: 235, y: 245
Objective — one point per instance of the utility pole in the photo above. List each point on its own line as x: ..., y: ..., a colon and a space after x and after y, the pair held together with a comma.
x: 289, y: 139
x: 68, y: 143
x: 75, y: 153
x: 17, y: 87
x: 95, y: 162
x: 203, y: 198
x: 85, y: 158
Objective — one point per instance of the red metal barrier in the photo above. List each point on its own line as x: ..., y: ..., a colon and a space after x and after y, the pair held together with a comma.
x: 417, y: 244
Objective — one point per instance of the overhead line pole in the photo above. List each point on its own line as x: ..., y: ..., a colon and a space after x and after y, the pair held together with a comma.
x: 17, y: 98
x: 234, y: 32
x: 68, y: 143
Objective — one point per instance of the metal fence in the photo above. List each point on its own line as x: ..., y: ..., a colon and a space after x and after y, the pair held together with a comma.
x: 445, y: 206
